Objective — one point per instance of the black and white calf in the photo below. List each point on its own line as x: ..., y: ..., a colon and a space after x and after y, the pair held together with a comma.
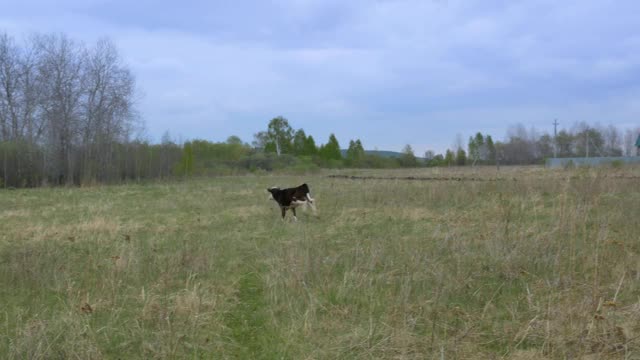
x: 291, y: 198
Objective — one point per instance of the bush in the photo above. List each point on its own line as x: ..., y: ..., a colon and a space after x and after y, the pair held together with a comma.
x: 617, y: 164
x: 267, y: 161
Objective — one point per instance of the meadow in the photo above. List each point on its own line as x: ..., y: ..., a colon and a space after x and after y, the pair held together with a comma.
x: 471, y: 263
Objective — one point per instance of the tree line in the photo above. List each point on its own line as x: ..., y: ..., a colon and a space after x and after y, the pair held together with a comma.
x: 66, y: 111
x: 520, y: 147
x: 68, y: 117
x: 525, y: 147
x: 279, y: 147
x: 281, y: 139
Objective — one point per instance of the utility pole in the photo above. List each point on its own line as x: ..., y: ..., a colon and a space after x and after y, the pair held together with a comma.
x: 555, y: 138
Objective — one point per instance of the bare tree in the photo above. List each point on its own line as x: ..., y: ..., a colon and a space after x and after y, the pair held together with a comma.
x: 612, y: 141
x: 107, y: 108
x: 9, y: 80
x: 19, y: 99
x: 8, y: 89
x: 60, y: 71
x: 65, y: 111
x: 518, y: 149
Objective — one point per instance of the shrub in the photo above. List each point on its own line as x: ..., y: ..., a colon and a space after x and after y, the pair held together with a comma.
x: 617, y: 164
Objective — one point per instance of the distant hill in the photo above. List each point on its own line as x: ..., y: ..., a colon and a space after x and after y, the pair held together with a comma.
x: 381, y: 153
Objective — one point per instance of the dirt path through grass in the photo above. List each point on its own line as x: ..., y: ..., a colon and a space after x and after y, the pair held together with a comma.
x: 247, y: 321
x: 249, y: 326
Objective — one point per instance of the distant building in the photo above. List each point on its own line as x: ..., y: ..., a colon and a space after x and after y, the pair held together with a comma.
x: 595, y: 161
x: 592, y: 161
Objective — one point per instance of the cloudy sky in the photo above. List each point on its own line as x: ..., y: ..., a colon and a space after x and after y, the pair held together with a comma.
x: 389, y: 72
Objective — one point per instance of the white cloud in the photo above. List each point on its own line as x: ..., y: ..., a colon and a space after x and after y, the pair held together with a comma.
x: 357, y: 68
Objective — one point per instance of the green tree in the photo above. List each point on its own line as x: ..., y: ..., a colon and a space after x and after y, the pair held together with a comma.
x: 355, y: 153
x: 477, y: 148
x: 429, y: 154
x: 299, y: 142
x: 260, y: 140
x: 310, y: 148
x: 491, y: 150
x: 449, y: 158
x: 351, y: 153
x: 472, y: 148
x: 461, y: 157
x: 186, y: 163
x: 408, y: 158
x: 481, y: 148
x: 331, y: 150
x: 436, y: 160
x: 278, y: 138
x: 564, y: 142
x: 544, y: 146
x: 234, y: 140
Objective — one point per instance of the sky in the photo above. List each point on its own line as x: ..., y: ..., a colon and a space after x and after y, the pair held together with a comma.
x: 389, y: 72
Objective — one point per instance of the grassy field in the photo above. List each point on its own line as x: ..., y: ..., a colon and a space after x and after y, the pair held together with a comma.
x: 524, y: 263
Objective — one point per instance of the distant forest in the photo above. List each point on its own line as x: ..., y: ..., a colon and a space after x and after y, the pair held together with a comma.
x: 68, y: 117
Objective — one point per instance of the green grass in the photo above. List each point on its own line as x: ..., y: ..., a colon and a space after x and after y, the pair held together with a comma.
x: 535, y: 264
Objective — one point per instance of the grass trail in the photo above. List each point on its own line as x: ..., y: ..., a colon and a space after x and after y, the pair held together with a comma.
x: 248, y: 321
